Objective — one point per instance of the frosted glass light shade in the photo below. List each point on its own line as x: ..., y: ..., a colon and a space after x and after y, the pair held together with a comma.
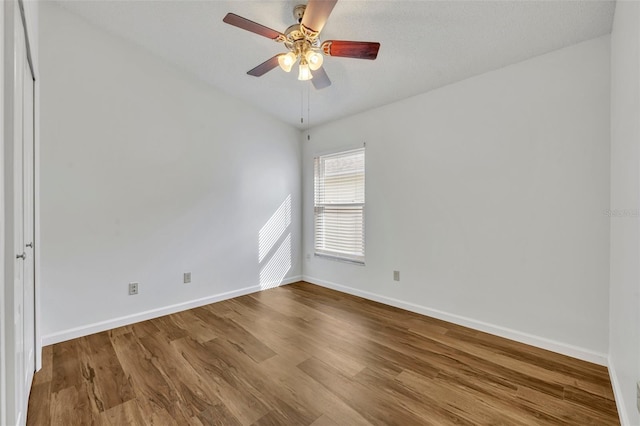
x: 286, y: 61
x: 304, y: 73
x: 314, y: 59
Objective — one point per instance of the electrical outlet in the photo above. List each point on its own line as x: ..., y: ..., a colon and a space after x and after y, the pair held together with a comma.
x: 186, y: 277
x: 133, y: 289
x: 396, y: 275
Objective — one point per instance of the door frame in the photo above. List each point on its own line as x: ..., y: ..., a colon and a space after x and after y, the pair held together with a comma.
x: 3, y: 391
x: 15, y: 22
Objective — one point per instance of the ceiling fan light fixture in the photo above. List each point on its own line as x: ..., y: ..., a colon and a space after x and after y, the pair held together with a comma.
x: 304, y: 72
x: 314, y: 59
x: 286, y: 61
x: 302, y: 40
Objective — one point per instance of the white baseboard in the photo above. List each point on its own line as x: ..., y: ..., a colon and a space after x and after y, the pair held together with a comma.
x: 617, y: 393
x: 98, y: 327
x: 518, y: 336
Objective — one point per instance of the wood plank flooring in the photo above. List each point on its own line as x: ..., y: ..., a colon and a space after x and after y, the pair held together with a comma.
x: 305, y: 355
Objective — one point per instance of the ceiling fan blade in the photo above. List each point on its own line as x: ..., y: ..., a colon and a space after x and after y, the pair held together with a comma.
x: 316, y: 14
x: 351, y: 49
x: 254, y: 27
x: 320, y: 79
x: 264, y: 67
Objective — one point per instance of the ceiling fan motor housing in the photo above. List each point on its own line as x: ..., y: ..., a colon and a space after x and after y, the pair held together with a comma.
x: 296, y: 38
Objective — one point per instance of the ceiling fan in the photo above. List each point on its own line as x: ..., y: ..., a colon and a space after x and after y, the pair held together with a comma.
x: 303, y: 43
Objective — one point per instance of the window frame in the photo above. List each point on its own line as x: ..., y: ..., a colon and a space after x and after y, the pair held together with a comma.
x: 323, y: 252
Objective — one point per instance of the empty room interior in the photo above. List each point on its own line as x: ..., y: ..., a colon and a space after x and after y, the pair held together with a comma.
x: 320, y: 212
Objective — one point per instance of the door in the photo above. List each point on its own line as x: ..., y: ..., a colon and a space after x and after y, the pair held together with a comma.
x: 18, y: 225
x: 28, y: 225
x: 23, y: 225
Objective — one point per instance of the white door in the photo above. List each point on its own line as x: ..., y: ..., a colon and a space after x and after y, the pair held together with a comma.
x: 28, y: 225
x: 18, y: 220
x: 23, y: 197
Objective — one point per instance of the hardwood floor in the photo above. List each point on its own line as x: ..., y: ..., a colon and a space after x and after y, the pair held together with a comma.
x: 305, y: 355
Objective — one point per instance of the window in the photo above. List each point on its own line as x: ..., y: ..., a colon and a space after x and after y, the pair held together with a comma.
x: 339, y: 205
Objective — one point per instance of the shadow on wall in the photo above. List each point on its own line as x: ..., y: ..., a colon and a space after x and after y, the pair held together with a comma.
x: 274, y: 247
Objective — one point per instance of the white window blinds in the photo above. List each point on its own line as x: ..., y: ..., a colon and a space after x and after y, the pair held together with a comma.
x: 339, y: 205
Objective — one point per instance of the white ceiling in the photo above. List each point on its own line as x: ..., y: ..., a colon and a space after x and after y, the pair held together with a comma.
x: 424, y: 45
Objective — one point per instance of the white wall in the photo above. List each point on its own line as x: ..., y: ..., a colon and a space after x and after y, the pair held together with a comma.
x: 148, y: 173
x: 489, y: 197
x: 624, y: 327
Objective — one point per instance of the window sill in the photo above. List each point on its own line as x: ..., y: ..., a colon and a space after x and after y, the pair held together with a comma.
x: 340, y: 259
